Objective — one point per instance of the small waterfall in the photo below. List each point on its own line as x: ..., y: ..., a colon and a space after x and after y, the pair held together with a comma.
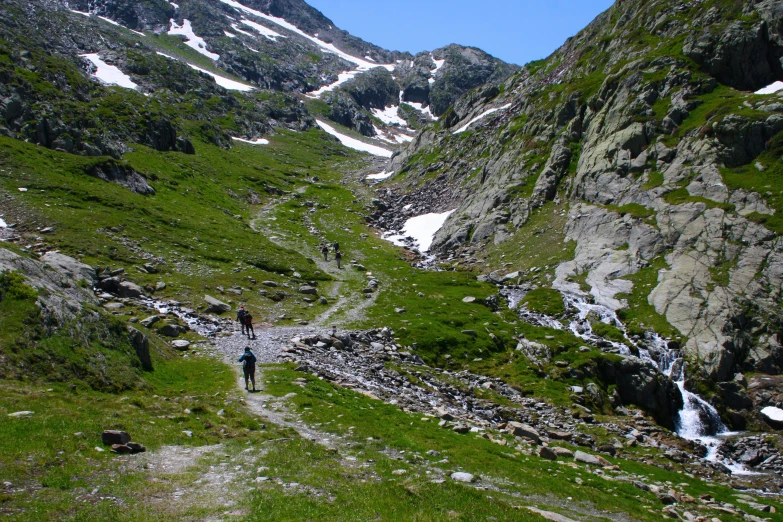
x: 698, y: 420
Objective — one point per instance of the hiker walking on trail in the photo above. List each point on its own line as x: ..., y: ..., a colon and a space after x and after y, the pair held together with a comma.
x: 336, y: 246
x: 325, y: 251
x: 338, y: 256
x: 241, y: 318
x: 249, y: 325
x: 248, y: 361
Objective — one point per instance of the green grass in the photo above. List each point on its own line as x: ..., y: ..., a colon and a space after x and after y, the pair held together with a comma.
x: 197, y: 223
x: 545, y: 301
x: 768, y: 182
x: 640, y: 314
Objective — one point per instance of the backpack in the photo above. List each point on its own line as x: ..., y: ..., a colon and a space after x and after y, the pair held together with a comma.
x: 248, y: 319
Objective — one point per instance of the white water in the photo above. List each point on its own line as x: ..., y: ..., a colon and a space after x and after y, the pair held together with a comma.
x: 698, y: 420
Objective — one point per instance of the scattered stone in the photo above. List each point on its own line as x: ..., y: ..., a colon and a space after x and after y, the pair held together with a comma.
x: 523, y: 430
x: 20, y: 414
x: 548, y: 515
x: 136, y: 447
x: 595, y: 460
x: 122, y: 449
x: 399, y: 472
x: 308, y: 290
x: 547, y: 453
x: 128, y: 289
x: 461, y: 476
x: 188, y: 433
x: 469, y: 299
x: 270, y: 284
x: 111, y: 437
x: 180, y: 344
x: 461, y: 428
x: 216, y: 306
x: 149, y: 321
x: 562, y: 452
x: 471, y: 333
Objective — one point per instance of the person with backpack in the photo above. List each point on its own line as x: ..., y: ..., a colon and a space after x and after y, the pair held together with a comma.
x: 325, y: 251
x: 336, y: 246
x: 249, y: 325
x: 241, y: 318
x: 338, y: 256
x: 248, y: 360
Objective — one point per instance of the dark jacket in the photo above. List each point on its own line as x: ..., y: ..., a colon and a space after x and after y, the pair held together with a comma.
x: 248, y: 359
x: 241, y: 316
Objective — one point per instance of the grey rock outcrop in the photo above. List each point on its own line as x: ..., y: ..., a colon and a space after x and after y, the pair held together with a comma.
x: 141, y: 345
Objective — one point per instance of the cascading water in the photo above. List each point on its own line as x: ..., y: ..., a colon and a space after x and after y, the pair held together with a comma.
x: 698, y: 420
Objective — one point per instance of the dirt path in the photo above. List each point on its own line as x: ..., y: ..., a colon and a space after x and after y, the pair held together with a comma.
x: 346, y: 305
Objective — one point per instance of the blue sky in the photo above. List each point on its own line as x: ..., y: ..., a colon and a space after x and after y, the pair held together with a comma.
x: 516, y: 31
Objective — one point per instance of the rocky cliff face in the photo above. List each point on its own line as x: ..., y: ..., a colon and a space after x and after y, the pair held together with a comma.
x: 641, y: 133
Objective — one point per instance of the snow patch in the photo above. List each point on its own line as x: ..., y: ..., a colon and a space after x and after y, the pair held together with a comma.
x: 353, y: 143
x: 227, y: 83
x: 771, y: 89
x: 80, y: 12
x: 776, y: 414
x: 263, y: 30
x: 259, y: 141
x: 3, y: 224
x: 237, y: 29
x: 109, y: 74
x: 230, y: 35
x: 403, y: 138
x: 389, y: 116
x: 341, y: 79
x: 175, y: 6
x: 424, y: 110
x: 438, y: 65
x: 380, y: 176
x: 194, y: 42
x: 479, y: 117
x: 422, y: 229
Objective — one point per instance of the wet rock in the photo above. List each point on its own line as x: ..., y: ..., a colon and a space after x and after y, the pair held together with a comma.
x: 122, y: 449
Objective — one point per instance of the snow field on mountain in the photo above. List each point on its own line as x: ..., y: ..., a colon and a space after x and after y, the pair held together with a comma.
x: 227, y: 83
x: 259, y: 141
x: 362, y: 64
x: 422, y: 229
x: 389, y: 116
x: 3, y: 224
x: 263, y: 30
x: 353, y: 143
x: 194, y: 42
x: 771, y: 89
x: 480, y: 117
x: 109, y: 74
x: 380, y: 176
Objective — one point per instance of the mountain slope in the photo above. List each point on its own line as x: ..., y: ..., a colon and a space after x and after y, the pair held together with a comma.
x: 637, y: 130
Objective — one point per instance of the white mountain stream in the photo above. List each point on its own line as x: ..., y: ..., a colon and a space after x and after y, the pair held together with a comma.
x: 698, y: 420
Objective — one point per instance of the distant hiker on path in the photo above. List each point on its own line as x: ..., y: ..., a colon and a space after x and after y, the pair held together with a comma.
x: 338, y: 256
x: 241, y: 318
x: 249, y: 325
x: 248, y: 361
x: 336, y: 246
x: 325, y: 251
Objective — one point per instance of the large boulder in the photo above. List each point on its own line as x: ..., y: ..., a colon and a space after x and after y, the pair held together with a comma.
x: 640, y: 383
x: 128, y: 289
x: 523, y: 430
x: 141, y: 344
x: 71, y: 267
x: 216, y: 306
